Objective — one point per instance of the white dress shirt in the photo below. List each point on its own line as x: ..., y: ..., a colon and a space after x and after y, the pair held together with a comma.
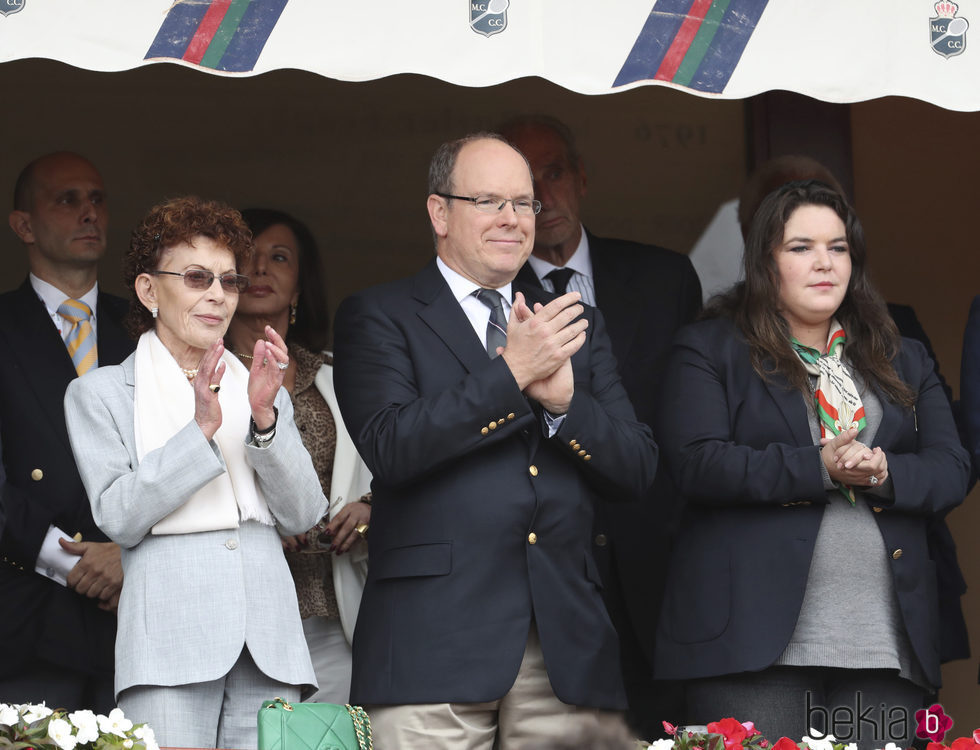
x: 580, y: 262
x: 479, y: 316
x: 476, y: 312
x: 52, y: 561
x: 53, y: 297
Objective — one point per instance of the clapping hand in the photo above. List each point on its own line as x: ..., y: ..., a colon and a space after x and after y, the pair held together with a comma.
x: 852, y: 462
x: 207, y: 410
x: 540, y: 345
x: 270, y: 358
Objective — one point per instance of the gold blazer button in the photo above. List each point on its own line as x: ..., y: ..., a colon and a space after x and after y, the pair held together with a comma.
x: 533, y: 469
x: 37, y: 475
x: 897, y: 554
x: 532, y: 538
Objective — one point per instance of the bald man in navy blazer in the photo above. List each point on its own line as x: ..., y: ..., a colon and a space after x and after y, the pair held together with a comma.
x: 482, y: 620
x: 58, y: 625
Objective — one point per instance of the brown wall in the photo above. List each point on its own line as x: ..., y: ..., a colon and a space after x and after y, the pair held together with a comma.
x: 351, y: 159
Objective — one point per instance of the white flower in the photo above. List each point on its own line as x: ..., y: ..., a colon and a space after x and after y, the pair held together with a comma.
x: 115, y: 723
x: 34, y: 713
x: 661, y: 745
x: 8, y: 714
x: 143, y: 732
x: 60, y: 731
x: 128, y: 744
x: 825, y: 742
x: 892, y: 746
x: 87, y: 725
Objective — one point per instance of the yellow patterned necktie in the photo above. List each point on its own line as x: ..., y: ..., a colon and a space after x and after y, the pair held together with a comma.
x: 79, y: 338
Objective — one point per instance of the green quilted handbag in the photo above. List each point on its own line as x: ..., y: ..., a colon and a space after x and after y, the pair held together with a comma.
x: 313, y: 726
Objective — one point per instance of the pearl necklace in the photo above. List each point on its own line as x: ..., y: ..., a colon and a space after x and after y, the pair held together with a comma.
x: 189, y: 374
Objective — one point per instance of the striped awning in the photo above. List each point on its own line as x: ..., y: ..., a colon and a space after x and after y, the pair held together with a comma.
x: 835, y: 50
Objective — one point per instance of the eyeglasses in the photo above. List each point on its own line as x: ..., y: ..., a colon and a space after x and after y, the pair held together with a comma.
x: 489, y: 204
x: 200, y: 279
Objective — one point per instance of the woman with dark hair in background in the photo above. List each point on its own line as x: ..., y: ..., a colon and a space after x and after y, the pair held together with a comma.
x: 812, y: 444
x: 328, y: 562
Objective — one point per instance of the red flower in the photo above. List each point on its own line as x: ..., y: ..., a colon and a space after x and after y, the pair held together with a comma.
x: 670, y: 729
x: 963, y: 743
x: 976, y: 736
x: 732, y: 730
x: 933, y: 723
x: 785, y: 743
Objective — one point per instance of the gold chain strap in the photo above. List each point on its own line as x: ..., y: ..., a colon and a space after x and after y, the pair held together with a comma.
x: 362, y: 727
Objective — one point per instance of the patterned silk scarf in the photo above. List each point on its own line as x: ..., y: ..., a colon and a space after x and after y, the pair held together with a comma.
x: 836, y: 398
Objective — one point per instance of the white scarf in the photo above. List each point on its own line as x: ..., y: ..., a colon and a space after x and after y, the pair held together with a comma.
x: 164, y: 404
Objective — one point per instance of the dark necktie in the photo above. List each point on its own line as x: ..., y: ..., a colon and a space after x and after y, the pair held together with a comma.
x: 560, y: 278
x: 497, y: 325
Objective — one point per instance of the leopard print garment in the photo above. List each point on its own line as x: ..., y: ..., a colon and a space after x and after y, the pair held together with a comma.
x: 310, y: 566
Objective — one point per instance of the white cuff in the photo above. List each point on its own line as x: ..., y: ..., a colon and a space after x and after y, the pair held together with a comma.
x: 553, y: 422
x: 52, y: 561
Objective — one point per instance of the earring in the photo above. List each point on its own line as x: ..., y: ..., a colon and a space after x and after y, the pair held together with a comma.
x: 292, y: 314
x: 154, y: 311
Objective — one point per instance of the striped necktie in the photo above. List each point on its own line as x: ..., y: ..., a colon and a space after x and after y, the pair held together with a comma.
x: 79, y: 338
x: 497, y: 325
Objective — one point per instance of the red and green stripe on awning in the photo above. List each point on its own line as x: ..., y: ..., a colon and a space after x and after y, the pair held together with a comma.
x: 693, y: 43
x: 226, y: 35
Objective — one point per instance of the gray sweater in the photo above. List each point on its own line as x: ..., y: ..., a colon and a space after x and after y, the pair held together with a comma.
x: 850, y: 616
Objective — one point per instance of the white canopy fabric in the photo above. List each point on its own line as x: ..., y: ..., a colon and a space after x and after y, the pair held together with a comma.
x: 834, y: 50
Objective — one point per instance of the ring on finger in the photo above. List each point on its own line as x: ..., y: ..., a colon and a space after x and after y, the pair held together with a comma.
x: 874, y: 480
x: 283, y: 365
x: 214, y: 387
x: 361, y: 529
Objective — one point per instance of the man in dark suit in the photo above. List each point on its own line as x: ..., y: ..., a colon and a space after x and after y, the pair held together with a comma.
x: 59, y: 575
x: 645, y: 294
x: 491, y: 416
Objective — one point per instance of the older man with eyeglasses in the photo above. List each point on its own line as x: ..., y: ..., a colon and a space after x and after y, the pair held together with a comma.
x: 491, y: 416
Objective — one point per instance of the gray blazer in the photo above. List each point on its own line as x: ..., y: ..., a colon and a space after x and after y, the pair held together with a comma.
x: 190, y: 602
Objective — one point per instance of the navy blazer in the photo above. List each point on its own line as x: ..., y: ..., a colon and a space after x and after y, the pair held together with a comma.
x: 970, y: 382
x: 479, y: 522
x: 741, y: 452
x: 43, y: 488
x: 645, y: 293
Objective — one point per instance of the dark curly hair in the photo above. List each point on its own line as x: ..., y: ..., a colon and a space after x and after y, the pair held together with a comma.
x: 172, y: 223
x: 872, y: 338
x: 312, y: 326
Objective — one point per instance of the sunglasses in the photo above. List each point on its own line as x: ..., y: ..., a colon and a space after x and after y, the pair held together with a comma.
x: 201, y: 279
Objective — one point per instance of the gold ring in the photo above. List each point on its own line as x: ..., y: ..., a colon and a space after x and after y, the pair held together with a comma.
x: 214, y: 387
x: 361, y: 529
